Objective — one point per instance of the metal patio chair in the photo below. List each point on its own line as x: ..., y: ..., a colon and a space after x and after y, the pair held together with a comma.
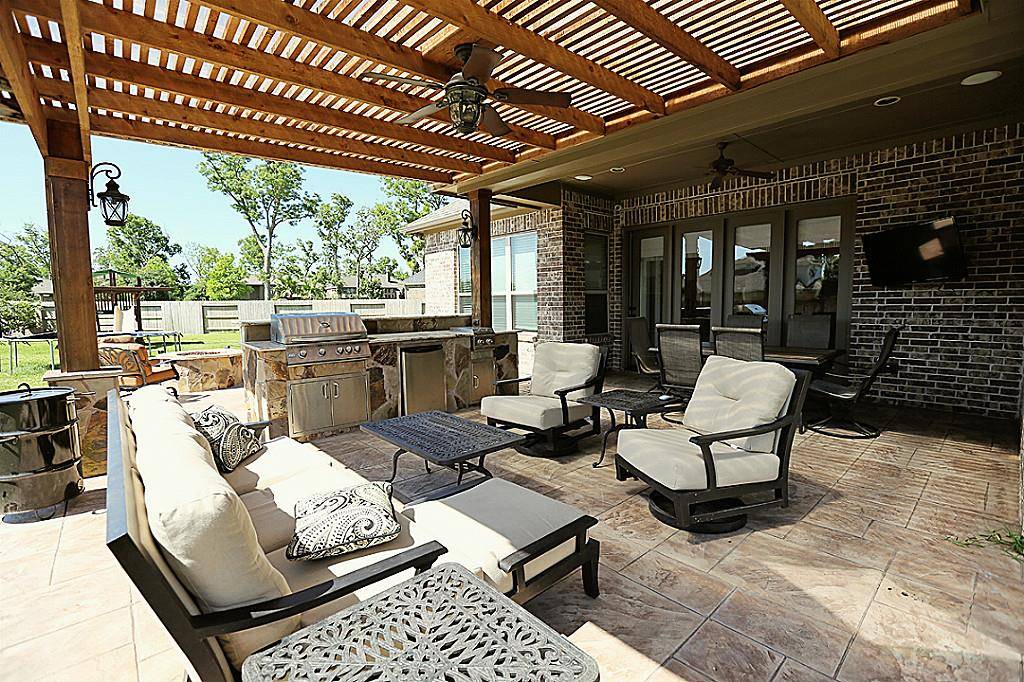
x: 740, y: 343
x: 843, y: 392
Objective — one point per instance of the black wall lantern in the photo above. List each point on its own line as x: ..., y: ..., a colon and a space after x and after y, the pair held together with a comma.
x: 112, y: 202
x: 467, y: 233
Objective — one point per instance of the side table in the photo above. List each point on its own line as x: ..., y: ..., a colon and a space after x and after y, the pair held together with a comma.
x: 636, y: 405
x: 443, y: 624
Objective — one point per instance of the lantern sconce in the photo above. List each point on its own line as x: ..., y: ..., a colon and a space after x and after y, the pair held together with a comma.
x: 467, y: 233
x: 112, y: 203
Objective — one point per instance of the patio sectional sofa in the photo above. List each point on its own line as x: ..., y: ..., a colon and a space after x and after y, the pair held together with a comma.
x: 207, y: 551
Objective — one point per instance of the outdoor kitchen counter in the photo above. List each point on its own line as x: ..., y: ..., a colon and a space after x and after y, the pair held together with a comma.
x: 266, y: 374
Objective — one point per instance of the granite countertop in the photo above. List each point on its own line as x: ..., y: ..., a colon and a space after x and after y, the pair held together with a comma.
x: 402, y: 337
x: 264, y: 346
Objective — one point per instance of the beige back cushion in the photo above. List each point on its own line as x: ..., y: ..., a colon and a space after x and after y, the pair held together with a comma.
x: 157, y: 416
x: 204, y: 530
x: 733, y: 394
x: 561, y: 365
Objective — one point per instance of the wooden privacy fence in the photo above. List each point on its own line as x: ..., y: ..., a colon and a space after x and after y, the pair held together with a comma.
x: 201, y: 317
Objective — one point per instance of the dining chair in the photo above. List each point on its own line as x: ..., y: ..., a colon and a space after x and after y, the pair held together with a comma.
x: 681, y: 358
x: 639, y: 339
x: 809, y: 331
x: 741, y: 343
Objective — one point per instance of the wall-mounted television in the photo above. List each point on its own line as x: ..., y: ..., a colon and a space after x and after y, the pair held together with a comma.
x: 915, y: 253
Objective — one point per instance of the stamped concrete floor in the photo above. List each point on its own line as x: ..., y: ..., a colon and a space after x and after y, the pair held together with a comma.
x: 854, y: 581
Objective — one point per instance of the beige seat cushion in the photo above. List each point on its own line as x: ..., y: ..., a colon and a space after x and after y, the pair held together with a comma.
x: 281, y: 458
x: 483, y: 525
x: 272, y: 509
x: 207, y: 537
x: 303, y: 574
x: 733, y: 394
x: 539, y: 412
x: 562, y: 365
x: 668, y: 456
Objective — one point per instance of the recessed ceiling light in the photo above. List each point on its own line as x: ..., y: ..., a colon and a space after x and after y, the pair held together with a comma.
x: 617, y: 169
x: 583, y: 178
x: 981, y: 77
x: 887, y: 101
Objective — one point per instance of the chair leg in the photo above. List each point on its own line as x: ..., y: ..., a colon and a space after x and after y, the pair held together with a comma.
x: 590, y: 586
x: 829, y: 426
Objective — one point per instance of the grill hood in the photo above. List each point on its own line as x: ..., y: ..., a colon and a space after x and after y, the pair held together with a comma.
x: 313, y: 327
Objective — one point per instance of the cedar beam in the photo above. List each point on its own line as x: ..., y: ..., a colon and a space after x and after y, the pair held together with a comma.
x: 15, y: 67
x: 814, y: 21
x: 654, y: 25
x: 151, y: 132
x: 76, y: 55
x: 204, y: 118
x: 480, y: 256
x: 67, y: 212
x: 156, y: 77
x: 497, y: 29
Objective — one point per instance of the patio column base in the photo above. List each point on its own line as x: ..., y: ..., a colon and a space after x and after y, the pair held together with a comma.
x: 664, y: 510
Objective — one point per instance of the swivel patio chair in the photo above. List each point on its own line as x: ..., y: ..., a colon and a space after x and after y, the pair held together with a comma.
x: 843, y: 392
x: 562, y: 372
x: 740, y: 343
x: 731, y: 453
x: 133, y: 358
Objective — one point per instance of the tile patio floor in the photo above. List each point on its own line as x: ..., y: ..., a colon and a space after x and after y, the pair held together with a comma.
x: 854, y: 581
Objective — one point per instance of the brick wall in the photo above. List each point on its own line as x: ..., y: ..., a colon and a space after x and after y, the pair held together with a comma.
x: 963, y: 348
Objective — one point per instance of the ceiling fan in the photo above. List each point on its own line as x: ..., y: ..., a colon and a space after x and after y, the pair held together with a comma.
x: 466, y: 93
x: 723, y: 167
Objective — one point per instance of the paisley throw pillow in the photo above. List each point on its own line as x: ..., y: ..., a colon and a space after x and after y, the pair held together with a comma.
x: 343, y: 521
x: 230, y: 440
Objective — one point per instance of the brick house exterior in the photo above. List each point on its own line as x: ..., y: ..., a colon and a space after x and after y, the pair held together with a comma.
x: 964, y: 344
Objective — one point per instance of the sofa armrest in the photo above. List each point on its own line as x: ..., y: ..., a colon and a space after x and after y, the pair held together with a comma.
x: 272, y: 610
x: 704, y: 442
x: 563, y: 394
x: 259, y: 427
x: 519, y: 558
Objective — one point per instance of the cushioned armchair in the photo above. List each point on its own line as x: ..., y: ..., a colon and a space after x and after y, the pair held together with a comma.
x: 731, y: 453
x: 133, y: 358
x: 562, y: 372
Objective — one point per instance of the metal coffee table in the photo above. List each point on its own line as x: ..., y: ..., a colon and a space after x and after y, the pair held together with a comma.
x: 636, y: 405
x: 443, y: 439
x: 444, y: 624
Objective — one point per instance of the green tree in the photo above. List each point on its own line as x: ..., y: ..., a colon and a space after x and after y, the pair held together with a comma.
x: 216, y: 275
x: 407, y: 201
x: 300, y: 272
x: 267, y: 194
x: 141, y: 248
x: 330, y: 223
x: 24, y: 261
x: 360, y: 243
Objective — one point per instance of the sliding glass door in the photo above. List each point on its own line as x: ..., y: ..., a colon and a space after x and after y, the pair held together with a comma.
x: 651, y: 277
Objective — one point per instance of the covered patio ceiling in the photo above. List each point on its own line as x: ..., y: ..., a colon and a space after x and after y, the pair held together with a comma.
x: 283, y: 81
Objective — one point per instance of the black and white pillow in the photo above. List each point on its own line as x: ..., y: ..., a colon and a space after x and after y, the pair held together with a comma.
x: 230, y: 440
x: 343, y: 521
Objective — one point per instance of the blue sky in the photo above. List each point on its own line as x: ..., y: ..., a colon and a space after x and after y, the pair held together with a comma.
x: 164, y: 186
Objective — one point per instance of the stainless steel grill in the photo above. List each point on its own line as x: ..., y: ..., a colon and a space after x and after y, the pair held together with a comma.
x: 313, y: 338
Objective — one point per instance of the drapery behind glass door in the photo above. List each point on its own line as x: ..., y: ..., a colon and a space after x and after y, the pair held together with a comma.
x: 696, y: 280
x: 651, y: 280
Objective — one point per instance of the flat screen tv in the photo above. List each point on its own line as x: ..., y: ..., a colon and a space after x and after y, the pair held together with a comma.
x: 915, y: 253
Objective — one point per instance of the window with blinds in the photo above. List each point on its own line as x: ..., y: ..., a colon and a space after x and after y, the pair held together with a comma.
x: 513, y: 282
x: 595, y: 278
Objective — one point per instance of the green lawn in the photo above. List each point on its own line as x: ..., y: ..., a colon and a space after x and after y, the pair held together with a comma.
x: 34, y: 359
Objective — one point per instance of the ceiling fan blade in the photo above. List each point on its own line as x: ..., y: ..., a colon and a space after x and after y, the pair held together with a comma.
x: 376, y: 75
x: 527, y: 96
x: 716, y: 182
x: 423, y: 112
x: 491, y: 123
x: 481, y: 63
x: 753, y: 174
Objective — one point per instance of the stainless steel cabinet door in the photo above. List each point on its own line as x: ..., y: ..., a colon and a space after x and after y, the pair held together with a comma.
x: 483, y: 379
x: 349, y: 399
x: 309, y: 407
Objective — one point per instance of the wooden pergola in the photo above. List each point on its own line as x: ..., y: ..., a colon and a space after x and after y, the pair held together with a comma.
x: 283, y: 80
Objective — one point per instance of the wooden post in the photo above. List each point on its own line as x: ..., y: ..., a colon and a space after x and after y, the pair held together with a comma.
x: 480, y: 256
x: 67, y: 207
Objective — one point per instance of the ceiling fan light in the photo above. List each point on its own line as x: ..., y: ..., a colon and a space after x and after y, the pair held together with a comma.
x: 465, y: 106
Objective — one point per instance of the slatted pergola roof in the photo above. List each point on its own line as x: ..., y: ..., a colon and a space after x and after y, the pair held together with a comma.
x: 282, y: 80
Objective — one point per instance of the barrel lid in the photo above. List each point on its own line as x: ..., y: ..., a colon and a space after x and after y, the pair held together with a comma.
x: 22, y: 393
